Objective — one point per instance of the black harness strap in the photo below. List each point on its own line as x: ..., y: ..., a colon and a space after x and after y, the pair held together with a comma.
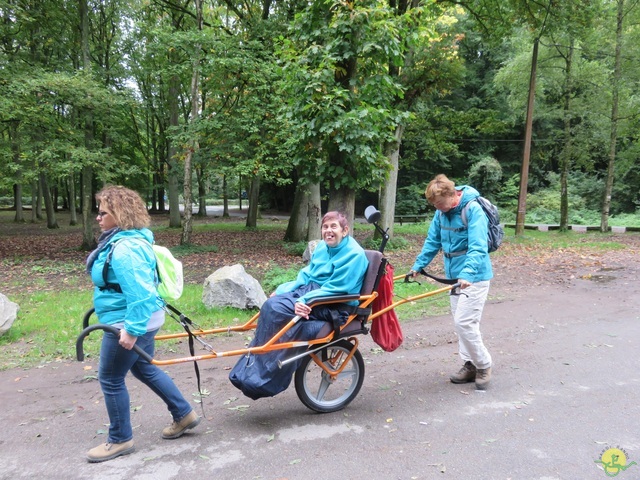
x: 105, y: 269
x: 186, y: 323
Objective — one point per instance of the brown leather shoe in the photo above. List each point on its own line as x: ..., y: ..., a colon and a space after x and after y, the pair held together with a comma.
x: 177, y: 429
x: 109, y: 451
x: 466, y: 374
x: 483, y: 377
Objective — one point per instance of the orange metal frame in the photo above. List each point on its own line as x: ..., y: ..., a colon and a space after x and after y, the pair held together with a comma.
x: 364, y: 302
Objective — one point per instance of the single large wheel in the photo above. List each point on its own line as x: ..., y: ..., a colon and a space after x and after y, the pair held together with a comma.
x: 315, y: 387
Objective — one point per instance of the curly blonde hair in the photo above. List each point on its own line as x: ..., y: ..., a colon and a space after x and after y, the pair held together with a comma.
x: 439, y: 187
x: 127, y: 207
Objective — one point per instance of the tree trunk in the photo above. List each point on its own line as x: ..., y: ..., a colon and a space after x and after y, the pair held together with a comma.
x: 613, y: 134
x: 202, y: 192
x: 225, y: 197
x: 34, y: 201
x: 172, y: 161
x: 17, y: 202
x: 343, y: 199
x: 73, y: 214
x: 387, y: 203
x: 254, y: 195
x: 17, y: 187
x: 187, y: 226
x: 568, y: 142
x: 48, y: 202
x: 314, y: 213
x: 526, y: 153
x: 297, y: 226
x: 88, y: 239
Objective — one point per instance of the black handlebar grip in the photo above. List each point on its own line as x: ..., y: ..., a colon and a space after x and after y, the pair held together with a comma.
x: 106, y: 328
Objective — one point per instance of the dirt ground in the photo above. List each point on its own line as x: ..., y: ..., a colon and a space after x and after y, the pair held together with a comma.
x: 564, y: 333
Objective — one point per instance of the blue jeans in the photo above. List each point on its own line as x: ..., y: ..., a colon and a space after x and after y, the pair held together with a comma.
x: 115, y: 363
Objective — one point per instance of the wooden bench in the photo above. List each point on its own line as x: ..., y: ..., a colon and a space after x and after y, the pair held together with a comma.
x: 411, y: 218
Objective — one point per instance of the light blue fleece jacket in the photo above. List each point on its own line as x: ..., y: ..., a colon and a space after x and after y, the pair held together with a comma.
x: 447, y: 233
x: 133, y: 267
x: 338, y: 270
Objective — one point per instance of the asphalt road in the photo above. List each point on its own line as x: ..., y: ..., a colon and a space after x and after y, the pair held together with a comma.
x: 566, y: 389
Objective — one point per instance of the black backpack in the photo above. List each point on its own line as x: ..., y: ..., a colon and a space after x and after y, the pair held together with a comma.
x: 496, y: 232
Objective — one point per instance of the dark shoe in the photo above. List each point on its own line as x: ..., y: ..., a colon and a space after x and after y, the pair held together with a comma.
x: 483, y: 377
x: 466, y: 374
x: 177, y: 429
x: 109, y: 451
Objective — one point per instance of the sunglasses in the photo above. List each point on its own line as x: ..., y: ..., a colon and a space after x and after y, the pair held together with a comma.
x: 102, y: 214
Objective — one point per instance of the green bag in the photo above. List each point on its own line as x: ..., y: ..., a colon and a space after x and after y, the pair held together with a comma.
x: 169, y: 273
x: 170, y: 277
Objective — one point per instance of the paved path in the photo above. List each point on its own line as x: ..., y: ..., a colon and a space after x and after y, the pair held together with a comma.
x: 566, y: 388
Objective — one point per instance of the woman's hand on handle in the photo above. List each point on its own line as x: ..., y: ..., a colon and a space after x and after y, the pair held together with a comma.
x: 463, y: 283
x: 127, y: 340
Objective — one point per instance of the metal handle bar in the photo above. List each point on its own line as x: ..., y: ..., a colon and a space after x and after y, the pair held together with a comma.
x: 106, y: 328
x: 446, y: 281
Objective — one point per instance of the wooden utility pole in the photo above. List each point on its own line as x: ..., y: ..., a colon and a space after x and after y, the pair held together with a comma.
x: 524, y: 171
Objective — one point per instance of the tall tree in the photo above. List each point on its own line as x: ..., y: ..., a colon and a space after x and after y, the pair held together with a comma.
x: 615, y: 100
x: 341, y: 95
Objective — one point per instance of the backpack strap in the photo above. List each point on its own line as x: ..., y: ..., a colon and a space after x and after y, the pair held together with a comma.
x: 105, y: 269
x: 463, y: 216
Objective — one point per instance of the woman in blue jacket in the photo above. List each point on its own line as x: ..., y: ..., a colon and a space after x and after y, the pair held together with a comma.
x: 466, y: 258
x: 129, y: 301
x: 337, y: 267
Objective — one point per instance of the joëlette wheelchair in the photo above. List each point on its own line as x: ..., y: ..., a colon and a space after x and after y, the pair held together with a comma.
x: 331, y: 371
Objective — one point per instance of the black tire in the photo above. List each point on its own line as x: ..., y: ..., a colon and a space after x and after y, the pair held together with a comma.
x: 314, y: 386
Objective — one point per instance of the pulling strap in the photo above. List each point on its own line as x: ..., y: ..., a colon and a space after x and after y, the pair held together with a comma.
x: 186, y: 322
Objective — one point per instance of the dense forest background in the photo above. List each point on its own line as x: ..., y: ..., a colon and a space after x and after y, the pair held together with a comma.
x: 304, y: 106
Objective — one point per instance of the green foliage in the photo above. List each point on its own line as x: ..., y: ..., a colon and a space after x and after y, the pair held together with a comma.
x: 295, y: 248
x: 485, y: 175
x: 395, y: 243
x: 277, y: 275
x: 338, y: 119
x: 411, y: 201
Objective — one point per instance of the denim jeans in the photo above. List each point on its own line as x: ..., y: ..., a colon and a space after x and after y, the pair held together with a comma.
x: 467, y: 313
x: 115, y: 363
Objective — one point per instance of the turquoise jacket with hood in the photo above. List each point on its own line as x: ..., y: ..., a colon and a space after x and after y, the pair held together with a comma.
x: 338, y: 270
x: 447, y: 233
x: 133, y: 267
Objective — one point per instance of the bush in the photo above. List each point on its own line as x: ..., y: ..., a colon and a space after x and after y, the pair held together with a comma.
x: 278, y: 275
x: 410, y: 201
x: 485, y: 175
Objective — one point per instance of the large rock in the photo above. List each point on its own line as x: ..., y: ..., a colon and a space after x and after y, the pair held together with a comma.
x: 311, y: 246
x: 232, y: 287
x: 8, y: 313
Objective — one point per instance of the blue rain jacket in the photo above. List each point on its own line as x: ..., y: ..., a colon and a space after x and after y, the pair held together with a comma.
x: 338, y: 270
x: 133, y: 267
x: 447, y: 233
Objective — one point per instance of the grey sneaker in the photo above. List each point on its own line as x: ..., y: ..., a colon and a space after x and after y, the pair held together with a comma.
x: 177, y: 429
x: 483, y: 377
x: 466, y: 374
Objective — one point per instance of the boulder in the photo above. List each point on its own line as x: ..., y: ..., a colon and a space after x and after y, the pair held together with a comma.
x: 311, y: 246
x: 232, y: 287
x: 8, y: 313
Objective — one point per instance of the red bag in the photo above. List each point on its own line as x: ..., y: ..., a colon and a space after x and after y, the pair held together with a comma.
x: 385, y: 330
